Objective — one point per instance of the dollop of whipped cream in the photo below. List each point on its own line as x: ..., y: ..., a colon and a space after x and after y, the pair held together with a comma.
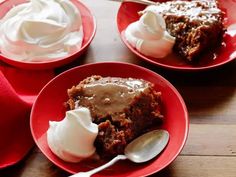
x: 149, y: 35
x: 72, y: 139
x: 41, y: 30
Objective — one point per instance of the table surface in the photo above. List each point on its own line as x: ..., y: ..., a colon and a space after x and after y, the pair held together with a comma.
x: 210, y: 97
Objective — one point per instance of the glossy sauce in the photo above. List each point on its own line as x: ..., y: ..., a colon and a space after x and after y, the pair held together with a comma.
x: 110, y: 94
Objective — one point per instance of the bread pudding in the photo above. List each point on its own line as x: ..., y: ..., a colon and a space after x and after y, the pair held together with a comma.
x: 197, y: 25
x: 123, y: 108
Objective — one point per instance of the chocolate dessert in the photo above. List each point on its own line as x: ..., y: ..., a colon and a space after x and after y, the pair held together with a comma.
x: 123, y: 108
x: 197, y: 25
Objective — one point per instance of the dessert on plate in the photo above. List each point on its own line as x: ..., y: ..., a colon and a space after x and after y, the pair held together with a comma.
x: 196, y: 25
x: 123, y: 108
x: 41, y: 30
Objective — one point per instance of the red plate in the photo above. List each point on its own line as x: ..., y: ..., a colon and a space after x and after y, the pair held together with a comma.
x: 89, y: 30
x: 49, y: 106
x: 227, y: 52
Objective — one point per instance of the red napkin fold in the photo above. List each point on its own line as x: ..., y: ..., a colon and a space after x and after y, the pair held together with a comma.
x: 18, y: 90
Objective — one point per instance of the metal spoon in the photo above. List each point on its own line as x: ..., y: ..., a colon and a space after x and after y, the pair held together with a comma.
x: 146, y: 2
x: 142, y: 149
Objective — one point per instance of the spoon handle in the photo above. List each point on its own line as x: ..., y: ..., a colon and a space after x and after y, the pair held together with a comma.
x: 108, y: 164
x: 146, y: 2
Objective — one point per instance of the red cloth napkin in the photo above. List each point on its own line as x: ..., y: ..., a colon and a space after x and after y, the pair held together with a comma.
x: 18, y: 90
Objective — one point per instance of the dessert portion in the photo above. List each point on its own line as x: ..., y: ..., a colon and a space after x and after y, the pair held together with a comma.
x: 123, y: 108
x: 197, y: 25
x: 72, y: 139
x: 41, y: 30
x: 149, y: 36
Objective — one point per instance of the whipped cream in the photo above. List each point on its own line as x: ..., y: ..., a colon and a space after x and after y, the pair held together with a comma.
x: 72, y: 139
x: 149, y: 36
x: 41, y: 30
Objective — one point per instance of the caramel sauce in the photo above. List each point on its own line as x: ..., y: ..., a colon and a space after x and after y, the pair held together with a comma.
x: 110, y: 94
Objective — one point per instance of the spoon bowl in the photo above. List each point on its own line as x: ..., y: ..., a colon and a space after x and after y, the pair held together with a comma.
x: 142, y: 149
x: 147, y: 146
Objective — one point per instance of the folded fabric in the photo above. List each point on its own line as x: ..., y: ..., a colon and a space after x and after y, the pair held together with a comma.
x: 18, y: 91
